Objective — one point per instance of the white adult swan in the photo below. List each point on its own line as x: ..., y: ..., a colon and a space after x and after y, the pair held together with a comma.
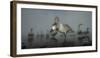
x: 60, y: 27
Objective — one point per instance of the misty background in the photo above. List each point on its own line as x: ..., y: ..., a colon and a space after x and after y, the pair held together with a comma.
x: 42, y: 19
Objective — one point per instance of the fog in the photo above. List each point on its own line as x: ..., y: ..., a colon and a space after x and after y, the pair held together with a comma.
x: 40, y: 20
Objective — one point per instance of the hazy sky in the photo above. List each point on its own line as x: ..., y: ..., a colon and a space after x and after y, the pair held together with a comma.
x: 42, y: 19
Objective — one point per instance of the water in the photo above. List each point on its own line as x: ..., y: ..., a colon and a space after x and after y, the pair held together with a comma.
x: 48, y: 41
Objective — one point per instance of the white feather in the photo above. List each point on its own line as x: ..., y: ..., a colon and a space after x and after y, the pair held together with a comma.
x: 63, y: 28
x: 53, y: 27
